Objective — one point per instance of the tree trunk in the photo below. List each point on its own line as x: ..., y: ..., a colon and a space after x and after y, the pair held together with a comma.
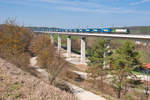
x: 119, y: 93
x: 94, y: 82
x: 102, y: 83
x: 52, y: 80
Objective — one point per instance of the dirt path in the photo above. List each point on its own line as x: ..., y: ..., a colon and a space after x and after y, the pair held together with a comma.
x: 80, y: 93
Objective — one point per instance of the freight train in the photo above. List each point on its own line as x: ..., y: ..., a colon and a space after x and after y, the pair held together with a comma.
x: 88, y: 30
x: 102, y: 30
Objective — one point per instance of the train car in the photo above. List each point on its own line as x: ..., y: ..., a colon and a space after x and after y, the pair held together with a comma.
x: 69, y: 30
x: 83, y: 30
x: 122, y: 30
x: 88, y: 30
x: 72, y: 30
x: 77, y: 30
x: 49, y: 29
x: 60, y: 30
x: 53, y: 29
x: 106, y: 30
x: 112, y: 30
x: 65, y: 30
x: 95, y: 30
x: 80, y: 30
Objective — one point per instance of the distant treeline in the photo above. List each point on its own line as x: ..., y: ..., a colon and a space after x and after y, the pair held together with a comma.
x: 139, y: 30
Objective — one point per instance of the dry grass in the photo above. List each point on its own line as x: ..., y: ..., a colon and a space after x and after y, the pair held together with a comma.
x: 18, y: 85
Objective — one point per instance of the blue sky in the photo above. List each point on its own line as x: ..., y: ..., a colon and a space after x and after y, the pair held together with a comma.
x: 77, y: 13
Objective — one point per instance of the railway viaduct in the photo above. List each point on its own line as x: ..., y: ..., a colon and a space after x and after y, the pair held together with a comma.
x: 83, y: 40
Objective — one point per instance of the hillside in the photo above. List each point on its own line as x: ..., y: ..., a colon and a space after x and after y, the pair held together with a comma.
x: 16, y: 84
x: 140, y: 29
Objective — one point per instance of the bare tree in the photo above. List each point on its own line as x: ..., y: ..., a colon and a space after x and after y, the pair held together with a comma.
x: 56, y: 68
x: 48, y: 58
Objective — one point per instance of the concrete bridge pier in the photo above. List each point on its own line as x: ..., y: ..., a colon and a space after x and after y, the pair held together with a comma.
x: 83, y: 44
x: 69, y: 47
x: 52, y: 39
x: 59, y: 43
x: 106, y: 64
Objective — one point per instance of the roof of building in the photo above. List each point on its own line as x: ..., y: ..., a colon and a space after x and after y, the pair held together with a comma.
x: 147, y: 66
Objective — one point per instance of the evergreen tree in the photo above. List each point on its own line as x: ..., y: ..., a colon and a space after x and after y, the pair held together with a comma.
x: 97, y: 58
x: 125, y: 60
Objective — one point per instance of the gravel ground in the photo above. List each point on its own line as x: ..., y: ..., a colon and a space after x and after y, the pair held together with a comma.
x: 15, y: 84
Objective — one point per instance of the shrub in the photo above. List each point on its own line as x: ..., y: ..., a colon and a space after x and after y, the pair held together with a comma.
x: 39, y: 43
x: 14, y: 43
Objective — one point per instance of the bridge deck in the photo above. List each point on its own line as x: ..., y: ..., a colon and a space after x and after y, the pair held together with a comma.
x: 106, y: 35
